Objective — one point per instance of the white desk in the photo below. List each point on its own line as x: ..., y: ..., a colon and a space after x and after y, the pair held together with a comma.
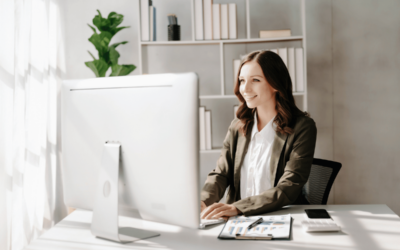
x: 363, y: 227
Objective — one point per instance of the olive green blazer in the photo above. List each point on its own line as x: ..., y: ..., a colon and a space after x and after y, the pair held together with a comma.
x: 290, y: 165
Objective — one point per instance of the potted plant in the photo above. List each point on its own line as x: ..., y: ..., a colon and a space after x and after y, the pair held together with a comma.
x: 108, y: 55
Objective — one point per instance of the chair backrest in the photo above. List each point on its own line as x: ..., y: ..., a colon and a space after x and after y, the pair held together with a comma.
x: 322, y: 176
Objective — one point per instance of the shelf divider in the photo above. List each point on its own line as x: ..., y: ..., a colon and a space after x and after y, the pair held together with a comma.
x: 221, y: 58
x: 303, y: 26
x: 248, y: 18
x: 193, y: 25
x: 140, y: 39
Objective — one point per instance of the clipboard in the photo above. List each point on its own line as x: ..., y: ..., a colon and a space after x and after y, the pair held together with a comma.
x: 276, y: 227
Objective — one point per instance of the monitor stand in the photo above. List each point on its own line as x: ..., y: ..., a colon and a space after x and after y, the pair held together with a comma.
x: 105, y: 210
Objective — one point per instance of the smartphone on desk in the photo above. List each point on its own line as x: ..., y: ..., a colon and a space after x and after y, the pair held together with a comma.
x: 317, y: 214
x: 319, y: 220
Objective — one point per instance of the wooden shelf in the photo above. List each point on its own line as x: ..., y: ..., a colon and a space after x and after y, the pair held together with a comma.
x: 234, y: 96
x: 181, y: 42
x: 217, y: 42
x: 211, y: 151
x: 261, y: 40
x: 217, y: 96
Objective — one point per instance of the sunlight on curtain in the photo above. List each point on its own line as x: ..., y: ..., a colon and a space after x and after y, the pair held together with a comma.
x: 6, y: 104
x: 29, y: 83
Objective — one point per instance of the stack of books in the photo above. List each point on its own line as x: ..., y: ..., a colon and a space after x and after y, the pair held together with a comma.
x: 148, y: 20
x: 215, y: 21
x: 293, y: 59
x: 205, y: 129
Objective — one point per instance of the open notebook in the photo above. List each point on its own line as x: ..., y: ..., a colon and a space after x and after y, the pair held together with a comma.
x: 272, y: 227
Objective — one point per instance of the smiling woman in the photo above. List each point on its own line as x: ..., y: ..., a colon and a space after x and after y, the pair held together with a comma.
x: 268, y: 151
x: 274, y: 80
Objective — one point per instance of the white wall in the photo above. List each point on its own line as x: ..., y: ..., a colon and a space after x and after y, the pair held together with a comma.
x: 319, y: 76
x: 366, y: 88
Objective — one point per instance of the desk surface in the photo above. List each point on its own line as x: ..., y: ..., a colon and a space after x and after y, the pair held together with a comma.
x: 363, y: 227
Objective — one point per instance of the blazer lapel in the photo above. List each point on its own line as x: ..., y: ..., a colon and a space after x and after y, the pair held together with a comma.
x: 277, y: 147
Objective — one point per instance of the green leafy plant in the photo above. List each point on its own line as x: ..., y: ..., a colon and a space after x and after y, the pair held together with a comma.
x: 108, y: 55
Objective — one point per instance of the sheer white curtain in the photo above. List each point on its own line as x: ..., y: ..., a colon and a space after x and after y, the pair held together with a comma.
x: 30, y: 68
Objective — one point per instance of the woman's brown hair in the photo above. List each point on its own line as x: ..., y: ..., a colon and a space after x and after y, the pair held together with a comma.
x: 278, y: 77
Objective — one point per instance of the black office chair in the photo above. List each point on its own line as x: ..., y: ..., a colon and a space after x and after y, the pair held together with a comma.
x: 322, y: 176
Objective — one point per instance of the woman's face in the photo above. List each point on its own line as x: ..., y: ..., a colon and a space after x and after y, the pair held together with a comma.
x: 254, y: 88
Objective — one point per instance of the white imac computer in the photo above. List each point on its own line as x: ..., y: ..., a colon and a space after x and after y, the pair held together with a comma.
x: 131, y: 142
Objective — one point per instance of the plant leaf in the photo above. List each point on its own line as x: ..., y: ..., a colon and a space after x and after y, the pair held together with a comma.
x: 116, y: 30
x: 101, y: 23
x: 93, y: 28
x: 91, y: 55
x: 114, y: 55
x: 122, y: 70
x: 99, y: 67
x: 110, y: 24
x: 98, y: 11
x: 100, y: 42
x: 115, y: 45
x: 115, y: 19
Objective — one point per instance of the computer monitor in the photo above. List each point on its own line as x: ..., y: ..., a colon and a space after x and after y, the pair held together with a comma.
x: 149, y: 123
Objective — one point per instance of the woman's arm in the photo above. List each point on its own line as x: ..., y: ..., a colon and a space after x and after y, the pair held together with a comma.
x: 296, y: 173
x: 219, y: 179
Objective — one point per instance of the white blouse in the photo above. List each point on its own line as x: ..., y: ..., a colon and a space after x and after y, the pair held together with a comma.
x: 255, y: 173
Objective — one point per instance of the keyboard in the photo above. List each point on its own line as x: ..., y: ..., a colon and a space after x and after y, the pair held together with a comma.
x: 204, y: 222
x: 319, y: 225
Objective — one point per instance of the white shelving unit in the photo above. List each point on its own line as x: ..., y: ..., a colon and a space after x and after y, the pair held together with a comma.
x: 222, y: 43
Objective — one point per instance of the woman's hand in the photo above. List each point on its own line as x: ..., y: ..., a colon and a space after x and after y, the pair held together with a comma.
x: 202, y: 206
x: 218, y: 210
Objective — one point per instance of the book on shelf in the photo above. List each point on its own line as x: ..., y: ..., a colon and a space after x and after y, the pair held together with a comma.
x: 145, y: 19
x: 224, y: 22
x: 299, y: 69
x: 293, y: 59
x: 198, y: 19
x: 274, y: 33
x: 291, y: 67
x: 216, y: 21
x: 207, y: 119
x: 152, y: 25
x: 282, y: 52
x: 208, y: 23
x: 235, y: 109
x: 202, y: 128
x: 236, y: 65
x: 232, y: 21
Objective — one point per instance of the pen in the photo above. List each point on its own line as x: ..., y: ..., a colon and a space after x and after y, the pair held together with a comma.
x: 255, y: 223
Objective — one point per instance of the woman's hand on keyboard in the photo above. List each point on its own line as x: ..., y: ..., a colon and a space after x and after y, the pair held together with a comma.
x: 202, y: 206
x: 218, y: 210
